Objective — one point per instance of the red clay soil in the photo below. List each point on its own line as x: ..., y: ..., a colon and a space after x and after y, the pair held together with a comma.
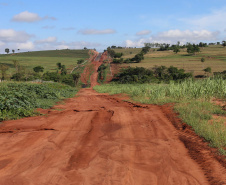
x: 98, y: 139
x: 86, y: 73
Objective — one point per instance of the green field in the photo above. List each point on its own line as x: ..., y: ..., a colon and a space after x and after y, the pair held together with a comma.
x: 215, y: 57
x: 47, y: 59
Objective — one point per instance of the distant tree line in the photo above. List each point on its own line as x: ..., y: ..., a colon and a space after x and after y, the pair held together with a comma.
x: 136, y: 59
x: 154, y: 75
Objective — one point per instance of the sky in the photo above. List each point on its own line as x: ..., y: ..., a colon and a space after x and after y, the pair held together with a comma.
x: 74, y: 24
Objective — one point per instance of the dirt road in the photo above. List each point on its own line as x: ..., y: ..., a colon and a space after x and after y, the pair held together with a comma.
x: 97, y: 139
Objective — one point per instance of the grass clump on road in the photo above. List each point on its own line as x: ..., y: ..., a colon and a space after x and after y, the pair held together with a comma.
x: 21, y: 99
x: 192, y: 100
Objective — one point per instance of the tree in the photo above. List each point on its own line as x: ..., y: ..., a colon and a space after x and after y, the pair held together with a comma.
x: 13, y: 50
x: 80, y: 61
x: 18, y: 49
x: 3, y: 69
x: 208, y: 70
x: 7, y: 50
x: 38, y: 69
x: 17, y: 76
x: 16, y: 65
x: 76, y: 77
x: 118, y: 55
x: 223, y: 43
x: 176, y: 49
x: 145, y: 49
x: 202, y: 60
x: 63, y: 70
x: 138, y: 57
x: 85, y: 48
x: 192, y: 49
x: 59, y: 65
x: 111, y: 52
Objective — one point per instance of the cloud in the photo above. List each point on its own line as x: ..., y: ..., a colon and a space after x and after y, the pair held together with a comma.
x: 215, y: 20
x: 29, y: 17
x: 96, y: 32
x: 143, y: 32
x: 68, y: 29
x: 187, y: 36
x: 10, y: 35
x: 47, y: 40
x: 48, y: 27
x: 2, y: 43
x: 51, y: 43
x: 25, y: 46
x: 51, y: 18
x: 172, y: 36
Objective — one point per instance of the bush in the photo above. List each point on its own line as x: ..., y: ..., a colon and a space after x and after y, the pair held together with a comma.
x: 80, y: 61
x: 157, y: 74
x: 51, y: 76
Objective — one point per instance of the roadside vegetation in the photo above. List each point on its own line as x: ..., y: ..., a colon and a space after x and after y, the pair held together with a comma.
x: 20, y: 99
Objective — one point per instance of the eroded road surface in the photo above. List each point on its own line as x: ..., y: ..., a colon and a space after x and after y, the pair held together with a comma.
x: 97, y: 139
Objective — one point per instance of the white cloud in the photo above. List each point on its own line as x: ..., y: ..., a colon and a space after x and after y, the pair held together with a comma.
x: 51, y: 44
x: 2, y: 43
x: 214, y: 21
x: 25, y: 46
x: 47, y: 40
x: 96, y: 32
x: 10, y: 35
x: 29, y: 17
x: 172, y: 36
x: 143, y: 32
x: 187, y: 36
x: 51, y: 18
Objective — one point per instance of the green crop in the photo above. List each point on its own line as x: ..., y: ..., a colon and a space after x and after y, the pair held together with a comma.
x: 21, y: 99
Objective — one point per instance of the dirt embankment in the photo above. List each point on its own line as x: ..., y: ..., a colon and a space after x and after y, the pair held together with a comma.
x: 97, y: 139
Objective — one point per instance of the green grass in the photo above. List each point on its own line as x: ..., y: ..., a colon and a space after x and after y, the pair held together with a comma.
x: 47, y: 59
x: 192, y: 102
x: 215, y: 58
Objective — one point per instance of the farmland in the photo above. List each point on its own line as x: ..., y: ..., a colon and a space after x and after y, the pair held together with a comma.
x: 215, y: 58
x: 47, y: 59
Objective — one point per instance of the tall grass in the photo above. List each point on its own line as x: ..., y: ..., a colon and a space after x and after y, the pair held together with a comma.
x: 192, y: 102
x: 165, y: 93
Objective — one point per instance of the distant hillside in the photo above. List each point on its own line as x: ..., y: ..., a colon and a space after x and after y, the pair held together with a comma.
x: 53, y: 53
x: 46, y: 59
x: 128, y: 52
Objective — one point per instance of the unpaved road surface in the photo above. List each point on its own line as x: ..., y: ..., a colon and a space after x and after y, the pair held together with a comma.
x: 97, y: 139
